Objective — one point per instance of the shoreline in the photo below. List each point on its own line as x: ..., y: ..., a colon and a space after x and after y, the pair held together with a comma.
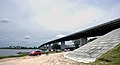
x: 12, y: 49
x: 13, y: 56
x: 24, y: 54
x: 8, y: 53
x: 51, y: 59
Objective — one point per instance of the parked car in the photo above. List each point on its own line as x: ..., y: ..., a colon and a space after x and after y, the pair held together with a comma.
x: 34, y: 53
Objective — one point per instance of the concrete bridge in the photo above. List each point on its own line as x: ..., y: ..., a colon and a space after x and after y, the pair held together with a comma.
x: 81, y: 37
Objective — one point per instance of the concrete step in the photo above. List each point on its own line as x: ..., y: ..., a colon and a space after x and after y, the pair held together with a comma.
x: 89, y: 52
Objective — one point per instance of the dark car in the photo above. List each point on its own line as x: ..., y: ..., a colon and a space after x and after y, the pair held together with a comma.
x: 34, y: 53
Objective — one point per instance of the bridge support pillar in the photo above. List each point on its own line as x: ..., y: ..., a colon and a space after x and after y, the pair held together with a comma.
x: 41, y: 48
x: 62, y: 45
x: 80, y: 42
x: 49, y: 47
x: 76, y: 43
x: 83, y: 41
x: 45, y: 46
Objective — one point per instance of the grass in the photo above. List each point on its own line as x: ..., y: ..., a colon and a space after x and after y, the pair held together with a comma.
x: 112, y: 57
x: 11, y: 56
x: 25, y: 54
x: 52, y: 52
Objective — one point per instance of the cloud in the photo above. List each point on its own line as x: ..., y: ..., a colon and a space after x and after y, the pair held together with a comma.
x: 47, y: 19
x: 65, y: 16
x: 27, y: 37
x: 55, y: 15
x: 4, y: 21
x: 60, y: 35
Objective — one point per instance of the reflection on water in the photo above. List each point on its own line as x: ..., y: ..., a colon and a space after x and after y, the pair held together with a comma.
x: 7, y: 52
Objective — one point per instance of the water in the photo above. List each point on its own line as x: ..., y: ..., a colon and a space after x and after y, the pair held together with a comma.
x: 7, y: 52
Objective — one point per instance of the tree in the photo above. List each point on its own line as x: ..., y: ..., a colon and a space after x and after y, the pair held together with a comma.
x: 76, y: 43
x: 56, y: 46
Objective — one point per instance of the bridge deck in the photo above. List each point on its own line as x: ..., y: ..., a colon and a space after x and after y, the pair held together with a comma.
x: 90, y: 32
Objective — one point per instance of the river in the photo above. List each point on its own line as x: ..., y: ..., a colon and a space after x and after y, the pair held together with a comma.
x: 7, y: 52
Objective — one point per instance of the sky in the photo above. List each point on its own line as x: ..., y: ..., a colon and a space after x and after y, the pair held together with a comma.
x: 46, y: 20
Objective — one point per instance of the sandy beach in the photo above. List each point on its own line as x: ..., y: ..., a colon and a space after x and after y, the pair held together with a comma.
x: 51, y: 59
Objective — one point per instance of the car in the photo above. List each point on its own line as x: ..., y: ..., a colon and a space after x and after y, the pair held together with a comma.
x: 35, y: 53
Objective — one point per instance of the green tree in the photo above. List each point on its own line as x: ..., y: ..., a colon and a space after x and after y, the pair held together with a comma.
x: 56, y: 46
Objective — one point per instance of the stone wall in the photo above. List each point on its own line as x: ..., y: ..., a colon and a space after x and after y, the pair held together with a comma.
x: 89, y: 52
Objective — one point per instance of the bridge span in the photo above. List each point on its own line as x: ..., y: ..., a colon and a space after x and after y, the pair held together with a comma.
x: 82, y: 36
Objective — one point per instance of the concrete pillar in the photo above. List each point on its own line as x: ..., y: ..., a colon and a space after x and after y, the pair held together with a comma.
x: 41, y: 48
x: 80, y: 42
x: 83, y: 41
x: 49, y: 47
x: 45, y: 46
x: 76, y: 43
x: 62, y: 45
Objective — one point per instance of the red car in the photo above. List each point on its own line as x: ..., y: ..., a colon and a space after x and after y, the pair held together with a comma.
x: 34, y: 53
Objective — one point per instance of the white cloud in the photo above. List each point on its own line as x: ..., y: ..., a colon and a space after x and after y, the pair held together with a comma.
x: 39, y: 17
x: 64, y: 16
x: 60, y: 35
x: 57, y: 15
x: 27, y: 37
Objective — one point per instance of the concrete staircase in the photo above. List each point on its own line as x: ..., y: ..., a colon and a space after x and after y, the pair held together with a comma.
x: 89, y: 52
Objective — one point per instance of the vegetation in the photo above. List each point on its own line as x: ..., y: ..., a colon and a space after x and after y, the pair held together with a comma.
x: 21, y: 54
x: 112, y: 57
x: 11, y: 56
x: 56, y: 46
x: 18, y: 47
x: 51, y: 52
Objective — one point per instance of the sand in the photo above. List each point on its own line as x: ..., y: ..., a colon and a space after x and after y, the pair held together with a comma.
x: 51, y: 59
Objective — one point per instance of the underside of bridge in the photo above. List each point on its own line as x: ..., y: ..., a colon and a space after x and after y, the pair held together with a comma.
x: 98, y: 30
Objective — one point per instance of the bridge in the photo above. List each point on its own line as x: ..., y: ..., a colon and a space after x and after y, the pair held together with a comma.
x: 82, y: 36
